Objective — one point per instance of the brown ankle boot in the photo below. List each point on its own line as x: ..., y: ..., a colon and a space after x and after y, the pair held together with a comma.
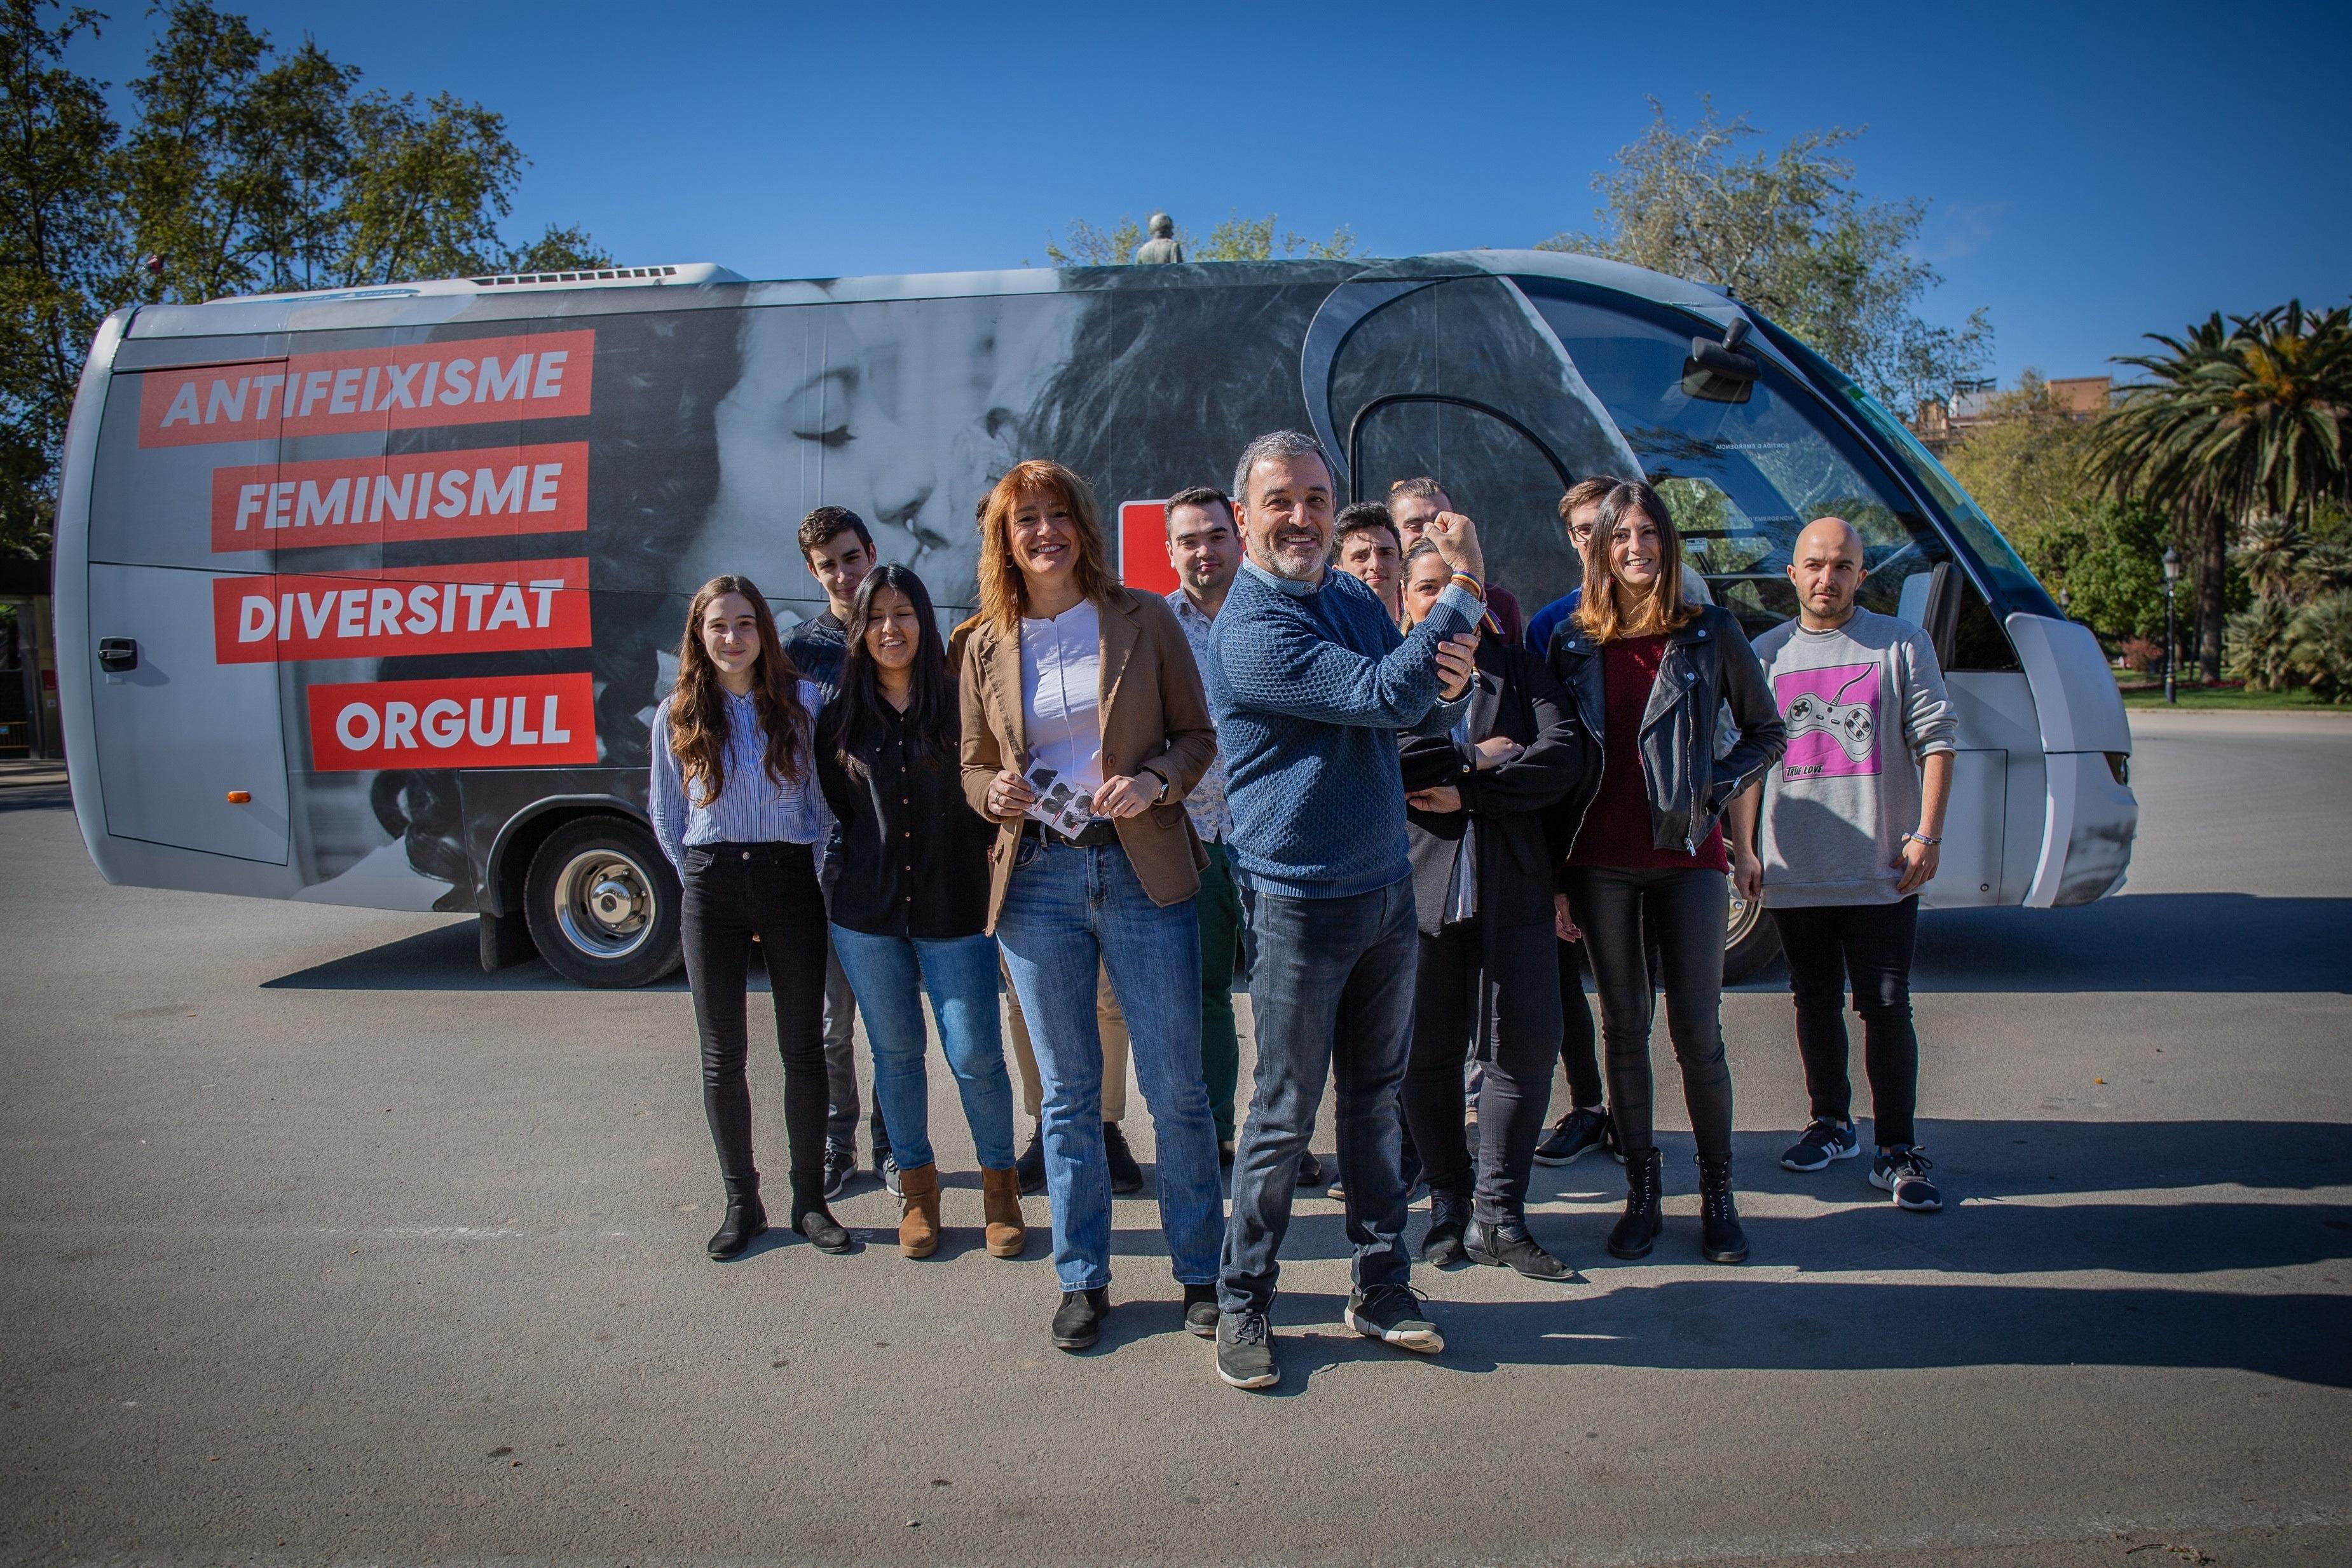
x: 918, y: 1210
x: 1008, y: 1232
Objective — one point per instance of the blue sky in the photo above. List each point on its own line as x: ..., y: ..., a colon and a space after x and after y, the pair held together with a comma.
x: 2095, y: 172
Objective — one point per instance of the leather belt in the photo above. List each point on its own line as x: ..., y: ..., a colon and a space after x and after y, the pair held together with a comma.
x: 1100, y: 832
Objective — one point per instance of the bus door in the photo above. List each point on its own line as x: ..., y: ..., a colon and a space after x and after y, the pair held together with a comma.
x: 191, y: 750
x: 1495, y: 470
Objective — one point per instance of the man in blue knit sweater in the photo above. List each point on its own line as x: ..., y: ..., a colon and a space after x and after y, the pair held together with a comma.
x: 1309, y: 682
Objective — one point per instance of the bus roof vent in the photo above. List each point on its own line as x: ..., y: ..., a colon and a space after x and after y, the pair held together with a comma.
x: 607, y: 276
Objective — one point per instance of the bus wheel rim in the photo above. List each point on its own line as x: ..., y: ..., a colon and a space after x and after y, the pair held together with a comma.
x: 605, y: 904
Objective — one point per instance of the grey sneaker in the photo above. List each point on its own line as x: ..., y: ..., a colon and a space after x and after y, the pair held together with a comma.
x: 840, y: 1164
x: 1245, y: 1351
x: 1902, y: 1172
x: 1824, y: 1141
x: 1391, y: 1314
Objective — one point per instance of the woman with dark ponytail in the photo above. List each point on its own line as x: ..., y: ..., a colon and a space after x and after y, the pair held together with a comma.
x: 910, y: 902
x: 737, y: 809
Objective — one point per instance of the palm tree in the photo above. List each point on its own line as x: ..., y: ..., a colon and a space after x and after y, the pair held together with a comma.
x: 2233, y: 419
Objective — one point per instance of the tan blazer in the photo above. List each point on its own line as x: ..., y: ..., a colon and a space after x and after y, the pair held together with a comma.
x: 1155, y: 719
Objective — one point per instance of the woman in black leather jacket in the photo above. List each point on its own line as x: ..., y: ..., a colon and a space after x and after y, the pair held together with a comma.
x: 1651, y: 677
x: 1482, y: 882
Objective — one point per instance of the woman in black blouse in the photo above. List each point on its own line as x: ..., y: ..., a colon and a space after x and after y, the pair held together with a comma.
x: 911, y: 900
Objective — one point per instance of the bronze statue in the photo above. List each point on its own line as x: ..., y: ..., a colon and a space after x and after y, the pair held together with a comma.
x: 1161, y: 247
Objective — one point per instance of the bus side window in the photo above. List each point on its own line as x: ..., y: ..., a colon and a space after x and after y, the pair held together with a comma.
x: 1980, y: 642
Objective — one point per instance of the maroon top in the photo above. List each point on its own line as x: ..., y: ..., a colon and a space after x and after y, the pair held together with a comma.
x: 1617, y: 829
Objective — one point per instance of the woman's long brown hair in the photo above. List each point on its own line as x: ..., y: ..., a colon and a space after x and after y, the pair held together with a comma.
x: 698, y: 705
x: 1000, y: 574
x: 1604, y: 613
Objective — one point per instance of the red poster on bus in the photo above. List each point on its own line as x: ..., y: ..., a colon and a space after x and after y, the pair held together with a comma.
x: 489, y: 721
x: 492, y: 492
x: 495, y: 608
x: 461, y: 381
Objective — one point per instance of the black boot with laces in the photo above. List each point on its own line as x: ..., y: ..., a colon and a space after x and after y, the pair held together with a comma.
x: 1720, y: 1235
x: 1637, y: 1230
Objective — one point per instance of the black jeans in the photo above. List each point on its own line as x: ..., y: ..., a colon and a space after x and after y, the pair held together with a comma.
x: 1687, y: 909
x: 1871, y: 944
x: 1578, y: 1055
x: 734, y: 891
x: 1517, y: 1089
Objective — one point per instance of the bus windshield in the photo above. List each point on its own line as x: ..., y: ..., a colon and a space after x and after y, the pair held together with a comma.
x: 1742, y: 479
x: 2012, y: 579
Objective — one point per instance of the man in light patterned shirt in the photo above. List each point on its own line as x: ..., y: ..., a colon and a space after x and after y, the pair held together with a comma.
x: 1205, y: 548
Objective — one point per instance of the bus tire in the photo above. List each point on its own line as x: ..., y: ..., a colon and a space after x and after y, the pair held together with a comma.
x: 1750, y: 943
x: 603, y: 904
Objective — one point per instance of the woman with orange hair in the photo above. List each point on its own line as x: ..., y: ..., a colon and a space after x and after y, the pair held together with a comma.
x: 1071, y: 680
x: 737, y: 808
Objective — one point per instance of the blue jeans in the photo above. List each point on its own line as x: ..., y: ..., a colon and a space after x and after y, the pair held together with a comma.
x: 890, y: 974
x: 1332, y: 988
x: 1065, y: 911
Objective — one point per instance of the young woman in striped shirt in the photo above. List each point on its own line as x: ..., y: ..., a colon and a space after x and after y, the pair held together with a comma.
x: 738, y: 810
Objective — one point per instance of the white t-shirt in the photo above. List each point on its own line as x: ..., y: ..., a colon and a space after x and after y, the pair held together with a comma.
x: 1061, y: 694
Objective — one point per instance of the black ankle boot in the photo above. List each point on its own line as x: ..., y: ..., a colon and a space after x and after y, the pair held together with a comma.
x: 1449, y: 1217
x: 813, y: 1220
x: 1720, y: 1237
x: 1637, y: 1231
x: 1505, y: 1244
x: 746, y: 1219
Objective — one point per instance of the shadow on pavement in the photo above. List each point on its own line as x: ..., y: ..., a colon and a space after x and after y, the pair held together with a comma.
x: 2140, y: 942
x: 447, y: 958
x: 2213, y: 942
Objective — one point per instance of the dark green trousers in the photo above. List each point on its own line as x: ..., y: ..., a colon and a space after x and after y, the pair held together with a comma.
x: 1219, y: 907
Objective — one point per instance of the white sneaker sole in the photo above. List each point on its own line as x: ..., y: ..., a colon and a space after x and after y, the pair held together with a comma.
x: 1269, y: 1381
x: 1933, y: 1206
x: 1426, y: 1341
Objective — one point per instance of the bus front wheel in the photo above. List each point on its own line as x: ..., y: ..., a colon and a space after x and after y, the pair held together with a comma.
x: 603, y: 904
x: 1750, y: 943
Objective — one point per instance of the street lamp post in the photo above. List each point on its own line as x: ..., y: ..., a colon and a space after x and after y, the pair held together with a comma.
x: 2171, y: 576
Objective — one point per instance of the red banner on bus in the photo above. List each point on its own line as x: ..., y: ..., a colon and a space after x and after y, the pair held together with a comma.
x: 498, y: 491
x: 498, y: 608
x: 547, y: 375
x: 492, y: 721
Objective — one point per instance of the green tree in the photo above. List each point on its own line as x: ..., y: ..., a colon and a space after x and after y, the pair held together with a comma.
x: 61, y: 252
x: 1238, y: 238
x: 1788, y: 233
x: 2233, y: 422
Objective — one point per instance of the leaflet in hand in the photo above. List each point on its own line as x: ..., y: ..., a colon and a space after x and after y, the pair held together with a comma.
x: 1062, y: 807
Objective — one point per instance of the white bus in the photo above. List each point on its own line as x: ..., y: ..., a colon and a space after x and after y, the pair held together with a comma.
x: 364, y: 597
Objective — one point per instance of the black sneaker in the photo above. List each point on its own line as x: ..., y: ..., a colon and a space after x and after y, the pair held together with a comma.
x: 1078, y: 1323
x: 840, y: 1164
x: 1031, y: 1166
x: 1824, y: 1141
x: 887, y: 1167
x: 1126, y: 1175
x: 1391, y: 1314
x: 1903, y: 1172
x: 1200, y: 1310
x: 1575, y: 1135
x: 1245, y: 1351
x: 1311, y: 1171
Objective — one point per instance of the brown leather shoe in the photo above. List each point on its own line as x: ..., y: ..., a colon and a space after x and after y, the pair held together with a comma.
x: 918, y: 1210
x: 1008, y: 1230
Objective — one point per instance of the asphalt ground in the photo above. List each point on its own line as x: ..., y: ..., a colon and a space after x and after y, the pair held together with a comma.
x: 324, y: 1245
